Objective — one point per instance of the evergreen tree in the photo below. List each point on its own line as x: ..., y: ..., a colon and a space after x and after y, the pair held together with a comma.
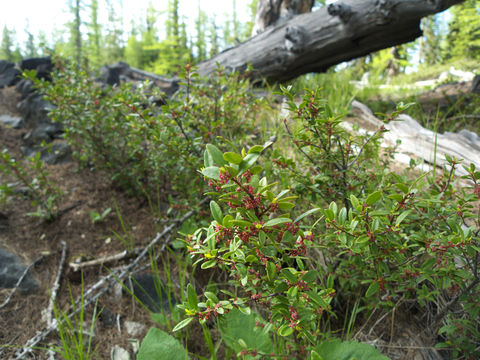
x: 201, y: 43
x: 113, y: 39
x: 6, y: 49
x: 42, y: 43
x: 94, y: 36
x: 213, y: 37
x: 463, y: 38
x: 429, y: 51
x: 133, y: 50
x: 30, y: 47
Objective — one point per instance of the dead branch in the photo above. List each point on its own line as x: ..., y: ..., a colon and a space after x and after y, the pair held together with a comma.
x: 19, y: 281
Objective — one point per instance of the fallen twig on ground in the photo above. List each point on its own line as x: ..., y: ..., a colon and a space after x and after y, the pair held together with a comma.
x: 20, y: 279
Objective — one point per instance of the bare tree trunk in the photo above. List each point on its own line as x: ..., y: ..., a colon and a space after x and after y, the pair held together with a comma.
x: 315, y: 41
x: 273, y: 12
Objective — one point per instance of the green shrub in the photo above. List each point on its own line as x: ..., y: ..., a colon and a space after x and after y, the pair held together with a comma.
x: 145, y: 149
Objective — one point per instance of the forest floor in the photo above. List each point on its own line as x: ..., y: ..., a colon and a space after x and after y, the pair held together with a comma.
x: 86, y: 191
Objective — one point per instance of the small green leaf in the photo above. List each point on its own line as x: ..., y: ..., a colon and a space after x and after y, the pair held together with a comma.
x: 285, y: 205
x: 372, y: 289
x: 277, y: 221
x: 402, y: 217
x: 309, y: 212
x: 212, y: 172
x: 183, y: 323
x: 285, y: 330
x: 373, y: 197
x: 232, y: 157
x: 256, y: 149
x: 227, y: 221
x: 216, y: 212
x: 402, y: 187
x: 247, y: 162
x: 192, y: 297
x: 208, y: 264
x: 241, y: 223
x: 216, y: 154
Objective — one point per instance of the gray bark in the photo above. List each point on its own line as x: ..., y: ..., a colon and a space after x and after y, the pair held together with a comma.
x: 315, y: 41
x: 275, y: 12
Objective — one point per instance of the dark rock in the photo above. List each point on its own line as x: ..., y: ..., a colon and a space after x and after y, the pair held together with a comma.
x: 13, y: 121
x: 5, y: 65
x: 25, y: 87
x: 476, y: 85
x: 144, y: 289
x: 110, y: 74
x: 11, y: 269
x: 35, y: 110
x: 43, y: 66
x: 43, y: 132
x: 59, y: 153
x: 35, y: 62
x: 107, y: 317
x: 9, y: 77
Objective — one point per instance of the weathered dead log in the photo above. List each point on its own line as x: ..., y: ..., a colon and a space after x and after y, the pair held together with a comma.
x: 274, y: 12
x: 315, y: 41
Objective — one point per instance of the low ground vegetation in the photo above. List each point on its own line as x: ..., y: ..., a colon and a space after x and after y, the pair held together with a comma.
x: 312, y: 239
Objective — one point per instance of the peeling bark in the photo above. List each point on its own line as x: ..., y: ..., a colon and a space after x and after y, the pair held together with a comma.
x: 315, y: 41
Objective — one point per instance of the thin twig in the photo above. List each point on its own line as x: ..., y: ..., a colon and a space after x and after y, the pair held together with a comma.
x: 19, y: 281
x: 56, y: 283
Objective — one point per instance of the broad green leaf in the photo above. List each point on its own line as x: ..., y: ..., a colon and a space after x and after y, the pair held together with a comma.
x: 227, y: 221
x: 276, y: 221
x: 256, y: 149
x: 348, y: 350
x: 208, y: 159
x: 212, y: 172
x: 232, y: 157
x: 309, y: 212
x: 183, y: 323
x: 208, y: 264
x: 310, y: 276
x: 216, y: 154
x: 271, y: 271
x: 396, y: 197
x: 239, y: 330
x: 354, y: 201
x: 373, y: 197
x: 402, y: 217
x: 158, y: 345
x: 289, y: 275
x: 192, y: 298
x: 285, y: 205
x: 402, y: 187
x: 247, y: 162
x: 372, y: 289
x: 216, y: 212
x: 285, y: 330
x: 241, y: 223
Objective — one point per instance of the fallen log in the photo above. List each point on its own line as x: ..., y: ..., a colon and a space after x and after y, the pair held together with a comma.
x: 313, y: 42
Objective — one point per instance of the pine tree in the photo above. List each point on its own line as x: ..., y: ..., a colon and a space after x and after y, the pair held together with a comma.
x: 429, y: 51
x: 94, y: 36
x: 463, y: 38
x: 213, y: 31
x: 6, y: 51
x: 201, y: 44
x: 114, y: 32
